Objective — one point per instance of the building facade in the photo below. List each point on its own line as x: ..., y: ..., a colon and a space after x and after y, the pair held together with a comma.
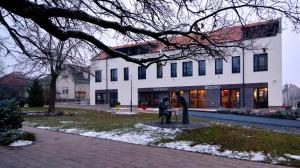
x: 73, y: 84
x: 248, y: 78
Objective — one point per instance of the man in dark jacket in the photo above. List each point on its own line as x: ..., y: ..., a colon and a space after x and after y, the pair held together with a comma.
x: 163, y: 110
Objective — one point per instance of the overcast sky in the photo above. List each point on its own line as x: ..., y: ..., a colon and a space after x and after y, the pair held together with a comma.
x: 290, y: 57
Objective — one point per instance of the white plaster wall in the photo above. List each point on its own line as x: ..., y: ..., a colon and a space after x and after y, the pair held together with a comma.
x: 65, y: 83
x: 273, y: 76
x: 85, y: 87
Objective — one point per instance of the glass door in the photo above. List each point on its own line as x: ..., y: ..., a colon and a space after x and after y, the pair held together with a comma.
x: 260, y: 97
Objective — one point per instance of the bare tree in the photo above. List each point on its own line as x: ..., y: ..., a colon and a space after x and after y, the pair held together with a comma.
x: 144, y: 20
x: 44, y: 53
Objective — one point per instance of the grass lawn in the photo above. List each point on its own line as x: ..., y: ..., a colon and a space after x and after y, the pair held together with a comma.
x: 235, y: 138
x: 88, y: 119
x: 243, y: 139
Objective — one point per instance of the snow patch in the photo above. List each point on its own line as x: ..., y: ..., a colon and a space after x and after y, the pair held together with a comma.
x: 214, y: 150
x: 65, y: 122
x: 20, y: 143
x: 139, y: 134
x: 125, y: 113
x: 296, y: 157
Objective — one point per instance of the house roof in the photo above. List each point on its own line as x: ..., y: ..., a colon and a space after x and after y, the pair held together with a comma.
x: 76, y: 71
x: 14, y: 79
x: 226, y: 34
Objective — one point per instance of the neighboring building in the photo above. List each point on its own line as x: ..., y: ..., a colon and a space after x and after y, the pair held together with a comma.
x: 14, y: 85
x: 291, y: 95
x: 73, y: 84
x: 252, y: 78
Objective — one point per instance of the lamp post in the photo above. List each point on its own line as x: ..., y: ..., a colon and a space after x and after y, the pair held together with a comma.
x: 130, y: 92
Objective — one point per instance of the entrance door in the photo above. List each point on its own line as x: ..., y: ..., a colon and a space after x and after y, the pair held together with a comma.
x: 260, y: 97
x: 100, y: 98
x: 230, y: 98
x: 113, y: 98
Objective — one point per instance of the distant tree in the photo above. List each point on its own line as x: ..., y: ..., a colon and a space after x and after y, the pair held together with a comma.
x: 35, y: 98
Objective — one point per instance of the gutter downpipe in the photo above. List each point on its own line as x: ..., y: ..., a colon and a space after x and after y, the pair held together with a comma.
x: 106, y: 81
x: 243, y: 48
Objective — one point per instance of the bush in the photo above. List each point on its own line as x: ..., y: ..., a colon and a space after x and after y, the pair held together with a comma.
x: 21, y: 103
x: 10, y: 118
x: 35, y: 98
x: 10, y: 136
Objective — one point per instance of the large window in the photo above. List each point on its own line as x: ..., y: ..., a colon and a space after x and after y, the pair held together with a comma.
x: 173, y: 70
x: 141, y: 72
x: 187, y: 68
x: 230, y: 98
x: 260, y: 62
x: 219, y: 66
x: 201, y: 67
x: 98, y: 76
x: 126, y: 74
x: 113, y: 75
x: 236, y: 64
x: 159, y: 71
x: 197, y: 98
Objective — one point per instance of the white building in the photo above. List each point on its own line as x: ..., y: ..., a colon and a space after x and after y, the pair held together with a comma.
x: 252, y: 78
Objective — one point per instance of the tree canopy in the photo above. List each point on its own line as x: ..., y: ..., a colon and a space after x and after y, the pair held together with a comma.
x: 146, y: 20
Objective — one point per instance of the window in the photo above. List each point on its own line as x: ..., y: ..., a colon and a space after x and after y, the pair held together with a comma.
x: 141, y: 72
x: 201, y: 67
x: 219, y: 66
x: 98, y: 76
x: 159, y: 71
x: 260, y: 62
x: 126, y: 74
x: 113, y: 75
x: 236, y: 64
x: 173, y: 70
x: 187, y: 68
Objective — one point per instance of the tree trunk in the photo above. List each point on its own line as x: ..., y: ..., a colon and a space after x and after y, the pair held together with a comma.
x: 51, y: 108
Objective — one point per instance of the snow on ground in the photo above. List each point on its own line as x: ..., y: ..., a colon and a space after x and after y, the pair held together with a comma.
x: 139, y: 134
x: 121, y: 108
x: 214, y: 150
x: 296, y: 157
x: 65, y: 122
x: 125, y: 113
x: 20, y: 143
x: 148, y: 135
x: 151, y: 109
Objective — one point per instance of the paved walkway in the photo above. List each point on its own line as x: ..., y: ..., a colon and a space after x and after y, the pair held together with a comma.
x: 55, y: 150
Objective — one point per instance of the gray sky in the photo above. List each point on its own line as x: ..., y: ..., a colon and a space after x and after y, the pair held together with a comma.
x: 291, y: 57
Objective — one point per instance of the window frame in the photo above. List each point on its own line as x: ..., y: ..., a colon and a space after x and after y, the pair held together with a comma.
x: 200, y: 73
x: 173, y: 74
x: 126, y: 73
x: 96, y: 76
x: 159, y: 71
x: 233, y: 70
x: 114, y: 76
x: 259, y: 68
x: 185, y: 71
x: 216, y: 70
x: 140, y: 73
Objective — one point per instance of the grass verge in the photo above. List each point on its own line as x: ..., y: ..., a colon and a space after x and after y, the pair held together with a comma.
x: 237, y: 138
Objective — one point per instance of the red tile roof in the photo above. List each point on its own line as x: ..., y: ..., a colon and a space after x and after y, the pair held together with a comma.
x: 15, y: 79
x: 227, y: 34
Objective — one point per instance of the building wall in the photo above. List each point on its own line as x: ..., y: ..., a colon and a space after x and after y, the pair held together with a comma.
x: 63, y: 83
x: 273, y: 76
x: 83, y: 87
